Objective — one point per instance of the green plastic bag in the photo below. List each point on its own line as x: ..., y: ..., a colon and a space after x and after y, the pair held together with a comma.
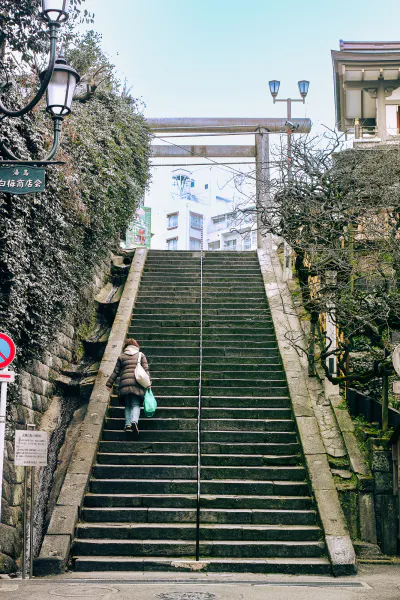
x: 150, y: 403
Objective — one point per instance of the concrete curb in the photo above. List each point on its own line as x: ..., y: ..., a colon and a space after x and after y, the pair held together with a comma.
x: 56, y: 546
x: 338, y: 542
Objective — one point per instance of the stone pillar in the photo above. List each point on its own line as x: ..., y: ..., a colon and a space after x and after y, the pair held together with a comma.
x: 381, y: 109
x: 262, y: 180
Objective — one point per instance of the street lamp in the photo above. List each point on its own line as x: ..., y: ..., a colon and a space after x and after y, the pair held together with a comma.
x: 55, y: 11
x: 58, y: 80
x: 274, y: 88
x: 303, y: 89
x: 274, y: 85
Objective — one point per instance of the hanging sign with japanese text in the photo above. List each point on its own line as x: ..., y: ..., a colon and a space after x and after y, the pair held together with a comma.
x: 22, y: 179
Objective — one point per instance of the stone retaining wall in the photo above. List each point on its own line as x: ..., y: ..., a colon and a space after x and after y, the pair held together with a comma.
x: 34, y: 404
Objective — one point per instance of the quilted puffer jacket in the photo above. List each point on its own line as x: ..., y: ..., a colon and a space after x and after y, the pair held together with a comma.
x: 125, y: 370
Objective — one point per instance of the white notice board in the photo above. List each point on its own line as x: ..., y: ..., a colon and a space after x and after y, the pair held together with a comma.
x: 31, y: 448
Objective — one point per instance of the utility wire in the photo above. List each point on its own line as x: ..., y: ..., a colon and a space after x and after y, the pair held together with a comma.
x: 214, y: 162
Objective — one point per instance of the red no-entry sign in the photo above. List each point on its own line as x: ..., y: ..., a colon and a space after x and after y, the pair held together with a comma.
x: 7, y: 351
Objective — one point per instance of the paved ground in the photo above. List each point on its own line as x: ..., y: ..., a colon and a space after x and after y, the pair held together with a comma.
x: 374, y: 582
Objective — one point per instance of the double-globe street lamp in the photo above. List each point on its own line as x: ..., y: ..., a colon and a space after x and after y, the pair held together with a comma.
x: 303, y: 89
x: 58, y: 80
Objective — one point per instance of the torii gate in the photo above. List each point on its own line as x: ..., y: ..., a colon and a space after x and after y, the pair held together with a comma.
x: 261, y: 128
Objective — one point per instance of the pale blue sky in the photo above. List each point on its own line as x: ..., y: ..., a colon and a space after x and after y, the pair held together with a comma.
x: 214, y: 58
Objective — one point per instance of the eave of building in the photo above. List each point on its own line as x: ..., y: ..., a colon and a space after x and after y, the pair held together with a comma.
x: 360, y: 61
x: 384, y: 59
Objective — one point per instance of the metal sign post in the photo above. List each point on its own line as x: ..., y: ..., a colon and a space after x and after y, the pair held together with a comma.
x: 31, y: 449
x: 7, y: 355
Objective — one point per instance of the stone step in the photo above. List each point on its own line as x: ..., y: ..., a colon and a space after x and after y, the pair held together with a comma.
x: 275, y: 389
x: 149, y: 458
x: 192, y: 290
x: 258, y: 437
x: 110, y: 435
x: 190, y: 435
x: 233, y: 332
x: 210, y: 338
x: 174, y: 322
x: 189, y: 486
x: 187, y: 531
x: 211, y: 304
x: 218, y: 402
x: 257, y: 382
x: 156, y: 471
x: 223, y: 294
x: 211, y: 413
x: 226, y: 372
x: 194, y: 279
x: 247, y: 449
x: 187, y: 275
x: 170, y: 350
x: 222, y: 372
x: 207, y: 515
x: 214, y: 425
x: 211, y: 381
x: 220, y: 460
x: 269, y: 389
x: 181, y: 547
x: 272, y: 505
x: 288, y: 566
x: 211, y: 351
x: 162, y: 304
x: 209, y: 361
x: 172, y: 311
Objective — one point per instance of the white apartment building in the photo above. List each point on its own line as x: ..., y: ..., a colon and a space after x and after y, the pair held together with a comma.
x: 231, y: 231
x: 196, y: 217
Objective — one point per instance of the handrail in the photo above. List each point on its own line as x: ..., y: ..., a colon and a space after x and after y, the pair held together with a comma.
x: 199, y: 408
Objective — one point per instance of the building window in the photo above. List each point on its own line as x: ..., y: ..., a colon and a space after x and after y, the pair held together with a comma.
x: 194, y: 244
x: 230, y: 245
x: 172, y: 244
x: 231, y: 218
x: 254, y: 238
x: 214, y: 245
x: 192, y: 184
x: 247, y: 242
x: 172, y: 220
x: 218, y: 220
x: 196, y: 221
x: 206, y: 186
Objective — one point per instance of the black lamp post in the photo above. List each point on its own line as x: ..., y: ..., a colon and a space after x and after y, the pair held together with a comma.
x: 58, y: 80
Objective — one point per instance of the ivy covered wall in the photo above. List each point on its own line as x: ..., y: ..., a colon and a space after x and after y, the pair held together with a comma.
x: 50, y: 243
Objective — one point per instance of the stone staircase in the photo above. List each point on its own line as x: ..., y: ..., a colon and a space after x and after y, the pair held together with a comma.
x: 257, y: 514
